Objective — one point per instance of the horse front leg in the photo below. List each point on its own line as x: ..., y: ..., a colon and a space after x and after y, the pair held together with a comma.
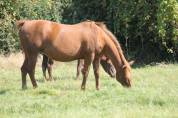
x: 96, y: 63
x: 85, y: 70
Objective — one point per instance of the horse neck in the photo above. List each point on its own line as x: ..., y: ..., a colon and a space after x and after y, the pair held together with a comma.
x: 116, y: 56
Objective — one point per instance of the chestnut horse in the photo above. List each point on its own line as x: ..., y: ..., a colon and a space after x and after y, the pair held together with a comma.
x: 104, y: 61
x: 87, y: 40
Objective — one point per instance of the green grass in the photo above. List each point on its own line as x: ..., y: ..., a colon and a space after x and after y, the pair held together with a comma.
x: 154, y: 94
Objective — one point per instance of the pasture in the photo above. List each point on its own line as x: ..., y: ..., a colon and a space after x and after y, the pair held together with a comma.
x: 154, y: 93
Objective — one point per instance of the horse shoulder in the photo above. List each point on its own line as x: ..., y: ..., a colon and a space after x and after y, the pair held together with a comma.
x: 100, y: 40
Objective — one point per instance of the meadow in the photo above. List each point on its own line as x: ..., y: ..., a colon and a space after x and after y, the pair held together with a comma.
x: 154, y: 93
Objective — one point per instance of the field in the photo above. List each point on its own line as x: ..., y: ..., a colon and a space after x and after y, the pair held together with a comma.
x: 154, y: 93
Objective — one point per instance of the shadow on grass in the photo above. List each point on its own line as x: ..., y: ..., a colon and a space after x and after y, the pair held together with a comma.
x: 2, y: 92
x: 41, y: 80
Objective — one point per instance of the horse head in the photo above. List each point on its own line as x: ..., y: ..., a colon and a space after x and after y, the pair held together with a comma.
x: 124, y: 76
x: 108, y: 66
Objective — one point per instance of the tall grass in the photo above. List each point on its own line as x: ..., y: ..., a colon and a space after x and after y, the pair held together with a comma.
x: 154, y: 93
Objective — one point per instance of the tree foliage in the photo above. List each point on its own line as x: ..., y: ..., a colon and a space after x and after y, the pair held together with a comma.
x: 147, y: 29
x: 12, y: 10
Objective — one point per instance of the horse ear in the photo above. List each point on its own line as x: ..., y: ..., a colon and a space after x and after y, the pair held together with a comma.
x: 124, y: 66
x: 131, y: 62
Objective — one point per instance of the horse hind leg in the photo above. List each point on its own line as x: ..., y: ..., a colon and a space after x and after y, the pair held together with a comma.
x: 24, y: 71
x: 31, y: 65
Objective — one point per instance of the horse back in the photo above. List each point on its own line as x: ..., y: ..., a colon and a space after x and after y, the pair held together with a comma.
x: 60, y: 41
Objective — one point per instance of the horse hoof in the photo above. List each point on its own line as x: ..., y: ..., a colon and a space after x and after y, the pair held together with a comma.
x: 51, y: 79
x: 48, y: 80
x: 97, y: 89
x: 35, y: 86
x: 45, y: 79
x: 83, y: 88
x: 24, y: 87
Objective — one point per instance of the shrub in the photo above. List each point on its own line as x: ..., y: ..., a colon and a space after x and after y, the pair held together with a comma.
x: 10, y: 11
x: 147, y: 29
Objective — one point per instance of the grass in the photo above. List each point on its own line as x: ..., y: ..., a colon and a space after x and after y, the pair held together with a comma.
x: 154, y: 93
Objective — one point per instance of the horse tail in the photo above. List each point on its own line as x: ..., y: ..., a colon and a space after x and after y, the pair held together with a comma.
x: 20, y: 23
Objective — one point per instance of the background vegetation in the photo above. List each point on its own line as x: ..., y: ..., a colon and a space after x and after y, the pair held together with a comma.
x: 146, y: 29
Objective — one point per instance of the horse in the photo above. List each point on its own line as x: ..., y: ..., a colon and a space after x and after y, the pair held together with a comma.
x: 87, y: 40
x: 106, y: 63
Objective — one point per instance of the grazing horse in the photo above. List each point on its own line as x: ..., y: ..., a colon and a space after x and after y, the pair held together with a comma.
x: 87, y: 40
x: 104, y: 61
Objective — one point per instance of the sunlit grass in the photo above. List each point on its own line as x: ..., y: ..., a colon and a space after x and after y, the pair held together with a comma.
x: 154, y: 94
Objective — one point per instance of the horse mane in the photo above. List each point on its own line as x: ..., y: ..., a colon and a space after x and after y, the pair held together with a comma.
x: 112, y: 37
x: 110, y: 34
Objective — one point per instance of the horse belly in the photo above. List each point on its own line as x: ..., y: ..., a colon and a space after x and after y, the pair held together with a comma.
x: 62, y: 53
x: 70, y: 44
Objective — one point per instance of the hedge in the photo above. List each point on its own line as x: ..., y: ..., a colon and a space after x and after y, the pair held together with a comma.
x: 147, y: 29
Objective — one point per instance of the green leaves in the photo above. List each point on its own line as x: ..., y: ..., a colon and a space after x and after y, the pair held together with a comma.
x: 10, y: 11
x: 142, y: 23
x: 145, y: 28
